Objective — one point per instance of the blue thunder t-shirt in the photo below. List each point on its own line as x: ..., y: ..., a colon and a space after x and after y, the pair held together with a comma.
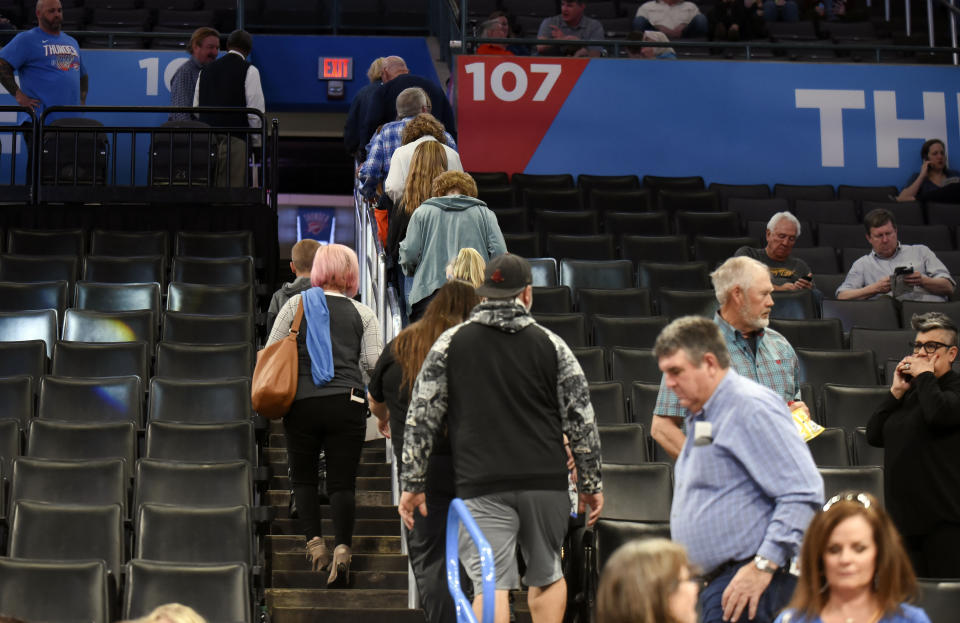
x: 49, y: 66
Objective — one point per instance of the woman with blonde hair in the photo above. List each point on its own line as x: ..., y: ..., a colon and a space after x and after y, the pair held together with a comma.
x: 173, y: 613
x: 424, y: 128
x: 647, y: 582
x: 467, y: 266
x: 853, y: 568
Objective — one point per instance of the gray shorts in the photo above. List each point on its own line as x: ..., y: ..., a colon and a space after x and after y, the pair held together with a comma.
x: 537, y: 520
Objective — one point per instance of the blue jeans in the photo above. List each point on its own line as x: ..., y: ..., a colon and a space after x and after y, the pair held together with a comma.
x: 697, y: 27
x: 772, y: 601
x: 789, y: 12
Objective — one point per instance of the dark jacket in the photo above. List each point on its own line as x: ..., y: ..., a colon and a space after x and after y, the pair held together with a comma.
x: 920, y: 435
x: 383, y: 104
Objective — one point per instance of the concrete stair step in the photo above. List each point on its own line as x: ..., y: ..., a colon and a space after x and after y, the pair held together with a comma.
x: 281, y: 498
x: 297, y: 561
x: 280, y: 480
x: 361, y: 527
x: 366, y: 511
x: 365, y: 599
x: 396, y: 580
x: 361, y: 544
x: 276, y: 458
x: 346, y: 615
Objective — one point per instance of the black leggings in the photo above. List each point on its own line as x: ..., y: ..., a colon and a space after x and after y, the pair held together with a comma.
x: 337, y: 425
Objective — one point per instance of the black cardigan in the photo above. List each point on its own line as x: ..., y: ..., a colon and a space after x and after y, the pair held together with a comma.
x: 920, y: 434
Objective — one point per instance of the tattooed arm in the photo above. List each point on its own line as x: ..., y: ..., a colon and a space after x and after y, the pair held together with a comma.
x: 6, y: 79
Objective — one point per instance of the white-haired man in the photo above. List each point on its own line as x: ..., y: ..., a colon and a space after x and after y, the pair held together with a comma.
x: 786, y: 272
x: 761, y: 354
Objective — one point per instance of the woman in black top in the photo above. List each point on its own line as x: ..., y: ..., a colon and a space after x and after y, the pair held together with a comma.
x: 337, y: 346
x: 389, y: 396
x: 918, y: 425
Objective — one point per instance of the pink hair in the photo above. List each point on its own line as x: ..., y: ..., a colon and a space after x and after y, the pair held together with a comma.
x: 336, y: 266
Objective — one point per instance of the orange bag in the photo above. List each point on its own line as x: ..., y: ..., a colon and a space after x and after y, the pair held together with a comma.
x: 274, y: 383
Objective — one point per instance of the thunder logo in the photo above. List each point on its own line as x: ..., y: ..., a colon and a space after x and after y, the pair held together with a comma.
x: 66, y: 57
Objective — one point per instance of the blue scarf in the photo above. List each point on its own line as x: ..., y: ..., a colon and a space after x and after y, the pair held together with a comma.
x: 318, y: 336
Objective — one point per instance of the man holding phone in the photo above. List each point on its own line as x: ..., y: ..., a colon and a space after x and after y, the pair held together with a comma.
x: 904, y: 271
x: 786, y: 272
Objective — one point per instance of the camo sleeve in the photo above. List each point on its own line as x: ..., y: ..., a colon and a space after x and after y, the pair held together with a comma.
x: 576, y: 417
x: 425, y: 415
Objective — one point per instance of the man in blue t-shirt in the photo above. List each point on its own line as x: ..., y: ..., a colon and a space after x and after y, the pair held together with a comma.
x: 48, y: 61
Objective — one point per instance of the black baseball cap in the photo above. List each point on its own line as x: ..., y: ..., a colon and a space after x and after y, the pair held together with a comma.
x: 505, y: 276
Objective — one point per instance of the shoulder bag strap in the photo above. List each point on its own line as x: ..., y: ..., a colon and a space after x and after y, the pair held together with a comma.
x: 295, y: 327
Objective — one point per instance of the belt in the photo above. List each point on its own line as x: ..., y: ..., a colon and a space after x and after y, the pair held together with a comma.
x: 722, y: 568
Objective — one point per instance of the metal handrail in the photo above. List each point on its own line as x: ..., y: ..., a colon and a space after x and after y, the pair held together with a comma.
x: 457, y: 514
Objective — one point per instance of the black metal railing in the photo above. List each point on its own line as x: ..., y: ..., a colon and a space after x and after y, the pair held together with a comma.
x: 73, y: 156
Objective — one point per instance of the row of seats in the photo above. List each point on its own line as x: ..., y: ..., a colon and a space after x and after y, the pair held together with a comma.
x: 121, y: 399
x: 79, y: 242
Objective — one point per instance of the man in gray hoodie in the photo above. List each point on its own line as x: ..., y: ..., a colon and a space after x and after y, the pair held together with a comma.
x: 301, y: 261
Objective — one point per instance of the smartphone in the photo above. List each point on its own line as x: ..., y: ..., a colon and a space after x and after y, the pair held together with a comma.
x: 808, y: 276
x: 903, y: 270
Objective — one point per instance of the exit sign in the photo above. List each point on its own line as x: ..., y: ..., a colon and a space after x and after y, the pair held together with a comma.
x: 335, y: 68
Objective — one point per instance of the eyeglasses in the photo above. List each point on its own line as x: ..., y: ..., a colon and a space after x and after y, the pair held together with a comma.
x: 860, y: 498
x: 928, y: 347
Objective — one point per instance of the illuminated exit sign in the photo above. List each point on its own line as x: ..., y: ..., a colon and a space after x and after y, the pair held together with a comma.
x: 334, y: 68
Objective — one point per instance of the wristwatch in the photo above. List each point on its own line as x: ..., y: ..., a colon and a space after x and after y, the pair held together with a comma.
x: 764, y: 564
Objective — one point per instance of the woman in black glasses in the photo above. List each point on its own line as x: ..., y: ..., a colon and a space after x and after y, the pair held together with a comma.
x: 918, y: 426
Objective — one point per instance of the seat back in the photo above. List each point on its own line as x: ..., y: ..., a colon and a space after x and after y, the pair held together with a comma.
x: 850, y: 407
x: 643, y: 399
x: 619, y: 302
x: 551, y: 300
x: 189, y: 401
x: 859, y: 479
x: 714, y: 250
x: 825, y: 334
x: 629, y: 332
x: 110, y: 399
x: 819, y: 259
x: 623, y: 444
x: 885, y: 343
x: 687, y: 276
x: 30, y: 325
x: 551, y: 198
x: 880, y: 313
x: 117, y: 297
x: 30, y: 268
x: 46, y: 242
x: 81, y: 325
x: 81, y: 590
x: 795, y: 304
x: 24, y: 358
x: 43, y: 531
x: 16, y: 297
x: 194, y: 535
x: 53, y: 439
x: 593, y: 362
x: 207, y: 328
x: 863, y: 453
x: 608, y: 403
x: 814, y: 192
x: 182, y: 158
x: 175, y: 441
x: 128, y: 269
x: 16, y: 399
x: 9, y: 449
x: 620, y: 200
x: 129, y: 243
x: 206, y: 299
x: 571, y: 328
x: 819, y: 367
x: 829, y: 448
x: 639, y: 249
x: 100, y: 360
x: 213, y: 271
x: 608, y: 275
x: 621, y: 484
x: 676, y: 303
x: 54, y: 481
x: 544, y: 271
x: 214, y: 244
x: 597, y: 247
x: 180, y: 483
x: 842, y: 211
x: 204, y: 361
x: 628, y: 365
x: 218, y: 593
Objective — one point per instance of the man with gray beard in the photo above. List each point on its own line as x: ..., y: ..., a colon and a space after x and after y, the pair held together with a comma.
x: 743, y: 289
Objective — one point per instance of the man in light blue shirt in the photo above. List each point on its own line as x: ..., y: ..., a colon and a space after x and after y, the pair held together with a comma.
x: 48, y: 61
x: 745, y: 484
x: 922, y: 276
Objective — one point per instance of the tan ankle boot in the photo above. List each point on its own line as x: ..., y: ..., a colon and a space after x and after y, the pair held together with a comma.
x: 318, y: 554
x: 340, y: 567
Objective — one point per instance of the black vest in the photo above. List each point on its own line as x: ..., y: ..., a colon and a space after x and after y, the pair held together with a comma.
x: 222, y: 84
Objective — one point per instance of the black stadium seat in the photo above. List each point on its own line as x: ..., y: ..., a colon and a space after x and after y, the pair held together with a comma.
x: 111, y: 399
x: 16, y: 399
x: 940, y: 600
x: 593, y: 362
x: 219, y: 593
x: 596, y: 247
x: 98, y: 360
x: 629, y: 365
x: 213, y: 271
x: 70, y: 481
x: 204, y: 361
x: 629, y: 332
x: 607, y: 275
x: 825, y: 334
x: 571, y: 328
x: 621, y: 484
x: 545, y: 271
x: 551, y: 300
x: 879, y: 313
x: 611, y: 200
x: 666, y: 248
x: 81, y: 325
x: 175, y: 441
x: 205, y: 299
x: 180, y: 483
x: 609, y: 405
x: 41, y: 590
x: 113, y: 297
x: 613, y: 302
x: 858, y: 479
x: 850, y: 407
x: 829, y: 448
x: 24, y: 358
x: 34, y: 296
x: 182, y: 534
x: 199, y: 402
x: 53, y: 439
x: 128, y: 269
x: 46, y: 242
x: 623, y: 444
x: 129, y: 243
x: 214, y: 244
x: 28, y: 326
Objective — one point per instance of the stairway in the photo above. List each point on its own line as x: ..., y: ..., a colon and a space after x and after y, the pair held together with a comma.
x: 378, y: 574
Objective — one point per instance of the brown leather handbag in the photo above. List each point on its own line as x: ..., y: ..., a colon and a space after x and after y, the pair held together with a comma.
x: 274, y: 383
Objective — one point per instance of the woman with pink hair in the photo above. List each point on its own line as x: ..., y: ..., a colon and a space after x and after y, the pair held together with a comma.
x: 337, y: 347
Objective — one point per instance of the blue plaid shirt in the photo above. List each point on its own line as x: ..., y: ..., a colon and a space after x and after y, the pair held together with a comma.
x: 182, y: 86
x: 375, y: 168
x: 751, y: 490
x: 774, y: 366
